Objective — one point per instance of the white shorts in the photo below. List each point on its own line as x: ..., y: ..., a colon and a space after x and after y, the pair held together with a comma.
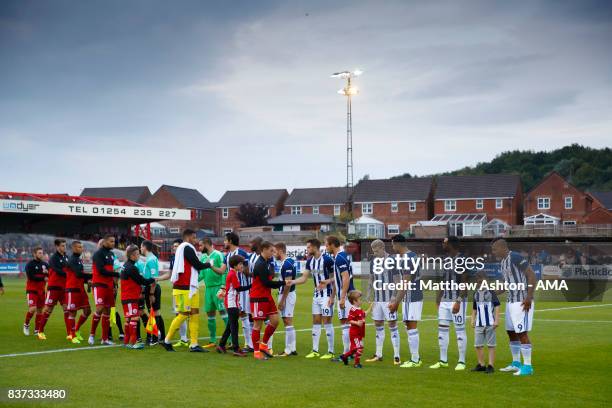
x: 445, y: 312
x: 289, y: 304
x: 320, y: 306
x: 343, y: 313
x: 517, y: 319
x: 245, y: 302
x: 380, y: 311
x: 411, y: 311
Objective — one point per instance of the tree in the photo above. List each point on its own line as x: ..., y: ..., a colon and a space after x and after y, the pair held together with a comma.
x: 252, y: 215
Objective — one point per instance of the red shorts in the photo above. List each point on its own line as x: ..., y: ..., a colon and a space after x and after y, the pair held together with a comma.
x: 77, y: 300
x: 104, y: 296
x: 261, y: 310
x: 130, y: 309
x: 36, y: 299
x: 54, y: 296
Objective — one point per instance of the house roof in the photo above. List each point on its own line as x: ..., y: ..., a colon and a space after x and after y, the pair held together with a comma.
x: 482, y: 186
x: 319, y: 195
x: 236, y: 198
x: 137, y: 194
x: 604, y: 197
x: 188, y: 197
x: 302, y: 219
x: 391, y: 190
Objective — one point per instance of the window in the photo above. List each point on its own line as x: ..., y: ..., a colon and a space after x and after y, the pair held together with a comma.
x: 174, y: 230
x: 543, y: 203
x: 315, y: 209
x: 394, y: 207
x: 198, y: 214
x: 499, y: 203
x: 569, y: 222
x: 337, y: 209
x: 393, y: 229
x: 479, y: 204
x: 226, y: 230
x: 367, y: 208
x: 569, y: 202
x: 225, y: 212
x: 296, y: 210
x: 450, y: 205
x: 412, y: 206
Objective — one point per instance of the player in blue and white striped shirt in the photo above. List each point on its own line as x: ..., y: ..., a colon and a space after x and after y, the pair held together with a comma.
x: 321, y: 267
x: 286, y: 298
x: 343, y: 274
x: 411, y: 300
x: 231, y: 245
x: 451, y: 308
x: 519, y: 309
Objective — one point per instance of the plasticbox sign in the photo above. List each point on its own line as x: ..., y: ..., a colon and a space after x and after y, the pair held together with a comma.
x: 93, y: 210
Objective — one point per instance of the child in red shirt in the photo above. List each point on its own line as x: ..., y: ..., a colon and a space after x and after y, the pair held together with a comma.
x: 232, y: 305
x: 356, y: 319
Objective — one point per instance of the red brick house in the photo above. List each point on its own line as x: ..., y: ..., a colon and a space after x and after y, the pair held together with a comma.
x: 331, y: 201
x: 203, y: 212
x: 139, y: 194
x: 555, y: 201
x: 397, y: 203
x: 469, y: 203
x: 229, y: 204
x: 602, y: 208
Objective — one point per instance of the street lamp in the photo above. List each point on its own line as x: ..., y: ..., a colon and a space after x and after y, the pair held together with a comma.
x: 349, y: 91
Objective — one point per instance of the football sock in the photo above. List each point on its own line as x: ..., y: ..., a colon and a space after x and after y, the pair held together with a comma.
x: 246, y: 330
x: 178, y: 320
x: 161, y: 326
x: 37, y: 320
x: 346, y: 340
x: 268, y: 333
x: 105, y: 326
x: 133, y: 324
x: 413, y: 344
x: 194, y: 329
x: 28, y: 317
x: 118, y: 322
x: 289, y: 339
x: 515, y: 349
x: 443, y: 342
x: 270, y: 341
x: 212, y: 328
x: 126, y: 332
x: 67, y: 322
x: 225, y: 318
x: 94, y: 323
x: 526, y: 352
x: 183, y: 331
x: 255, y: 339
x: 71, y: 324
x: 316, y: 335
x: 358, y: 353
x: 395, y: 341
x: 461, y: 342
x: 81, y: 321
x: 43, y: 322
x: 329, y: 333
x: 380, y: 340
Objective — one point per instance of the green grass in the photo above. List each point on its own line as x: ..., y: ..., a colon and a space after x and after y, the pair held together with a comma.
x: 571, y: 357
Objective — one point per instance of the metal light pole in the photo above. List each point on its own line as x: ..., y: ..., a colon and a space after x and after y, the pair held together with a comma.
x: 349, y: 90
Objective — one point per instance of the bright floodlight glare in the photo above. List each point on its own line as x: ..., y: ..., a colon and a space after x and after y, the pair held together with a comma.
x: 357, y: 72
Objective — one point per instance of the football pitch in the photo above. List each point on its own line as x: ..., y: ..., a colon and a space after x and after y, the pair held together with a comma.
x: 572, y: 356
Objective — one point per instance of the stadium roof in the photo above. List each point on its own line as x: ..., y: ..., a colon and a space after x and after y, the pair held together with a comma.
x: 235, y: 198
x: 393, y: 190
x: 604, y: 197
x: 137, y: 194
x: 302, y: 219
x: 188, y: 197
x: 482, y: 186
x: 321, y: 195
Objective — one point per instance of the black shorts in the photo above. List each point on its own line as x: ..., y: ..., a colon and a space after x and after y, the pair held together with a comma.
x: 157, y: 303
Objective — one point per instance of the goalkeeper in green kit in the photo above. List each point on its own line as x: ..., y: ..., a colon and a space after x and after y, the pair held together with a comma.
x: 214, y: 280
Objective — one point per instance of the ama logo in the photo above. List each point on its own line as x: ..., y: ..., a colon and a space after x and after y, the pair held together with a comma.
x: 20, y: 206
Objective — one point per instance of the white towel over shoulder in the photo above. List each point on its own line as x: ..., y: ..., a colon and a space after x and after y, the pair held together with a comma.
x: 179, y: 267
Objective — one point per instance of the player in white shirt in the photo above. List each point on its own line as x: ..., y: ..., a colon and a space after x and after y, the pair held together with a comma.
x: 321, y: 267
x: 380, y: 308
x: 519, y: 306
